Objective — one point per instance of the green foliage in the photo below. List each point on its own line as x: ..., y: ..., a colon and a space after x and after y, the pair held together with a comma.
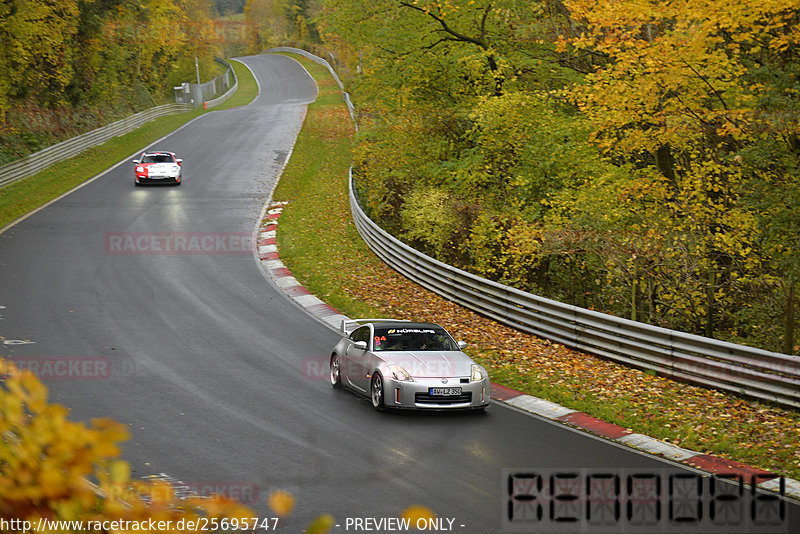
x: 36, y: 38
x: 82, y: 64
x: 429, y: 219
x: 280, y: 22
x: 638, y: 158
x: 299, y: 21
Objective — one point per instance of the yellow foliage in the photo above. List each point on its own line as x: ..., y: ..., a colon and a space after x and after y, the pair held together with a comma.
x: 321, y: 525
x: 675, y: 70
x: 281, y: 502
x: 416, y: 513
x: 47, y: 462
x: 55, y: 469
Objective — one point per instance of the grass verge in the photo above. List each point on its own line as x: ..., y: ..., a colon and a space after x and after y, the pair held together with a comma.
x: 27, y: 194
x: 320, y: 245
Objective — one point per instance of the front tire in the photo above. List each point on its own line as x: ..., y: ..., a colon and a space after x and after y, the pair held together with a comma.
x: 336, y: 372
x: 376, y: 392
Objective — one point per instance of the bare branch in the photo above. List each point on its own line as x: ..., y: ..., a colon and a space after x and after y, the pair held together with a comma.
x: 446, y: 27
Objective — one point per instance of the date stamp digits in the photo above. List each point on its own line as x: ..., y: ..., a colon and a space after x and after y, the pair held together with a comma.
x: 659, y: 500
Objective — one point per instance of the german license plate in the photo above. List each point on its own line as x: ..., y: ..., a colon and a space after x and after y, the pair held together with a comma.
x: 444, y: 392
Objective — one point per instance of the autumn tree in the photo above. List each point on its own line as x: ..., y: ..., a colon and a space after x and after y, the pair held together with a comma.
x: 638, y: 157
x: 269, y: 20
x: 683, y: 89
x: 36, y: 39
x: 55, y: 469
x: 71, y: 66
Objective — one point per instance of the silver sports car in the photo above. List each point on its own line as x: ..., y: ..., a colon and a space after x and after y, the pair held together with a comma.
x: 403, y: 364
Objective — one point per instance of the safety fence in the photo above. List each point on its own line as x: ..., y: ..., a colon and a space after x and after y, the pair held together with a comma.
x: 211, y: 93
x: 38, y: 161
x: 229, y: 89
x: 695, y: 359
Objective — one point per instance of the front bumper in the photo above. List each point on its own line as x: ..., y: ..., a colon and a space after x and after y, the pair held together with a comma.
x: 157, y: 179
x: 415, y: 395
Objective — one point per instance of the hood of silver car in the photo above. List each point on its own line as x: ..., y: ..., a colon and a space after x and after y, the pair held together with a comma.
x: 431, y: 364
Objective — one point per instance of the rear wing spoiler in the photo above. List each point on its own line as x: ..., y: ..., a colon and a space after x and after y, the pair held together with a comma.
x: 349, y: 325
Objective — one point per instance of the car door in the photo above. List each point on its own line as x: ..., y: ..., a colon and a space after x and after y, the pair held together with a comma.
x: 356, y: 358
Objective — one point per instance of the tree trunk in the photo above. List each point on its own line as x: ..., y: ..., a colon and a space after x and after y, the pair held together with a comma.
x: 788, y: 337
x: 664, y: 162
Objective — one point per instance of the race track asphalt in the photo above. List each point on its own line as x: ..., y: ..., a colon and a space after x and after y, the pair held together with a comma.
x: 213, y: 368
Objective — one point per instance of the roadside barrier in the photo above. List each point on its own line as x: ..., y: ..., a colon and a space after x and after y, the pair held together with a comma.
x: 30, y: 165
x: 33, y: 163
x: 707, y: 362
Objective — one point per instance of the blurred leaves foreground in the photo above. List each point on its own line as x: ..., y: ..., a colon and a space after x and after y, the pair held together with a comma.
x: 55, y: 469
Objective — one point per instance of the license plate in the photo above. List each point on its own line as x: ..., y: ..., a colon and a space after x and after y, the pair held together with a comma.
x: 444, y: 392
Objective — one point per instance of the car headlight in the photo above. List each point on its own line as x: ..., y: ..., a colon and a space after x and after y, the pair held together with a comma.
x: 139, y: 169
x: 398, y: 373
x: 477, y: 373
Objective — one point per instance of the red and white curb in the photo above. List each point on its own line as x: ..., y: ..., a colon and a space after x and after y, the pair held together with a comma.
x: 277, y: 271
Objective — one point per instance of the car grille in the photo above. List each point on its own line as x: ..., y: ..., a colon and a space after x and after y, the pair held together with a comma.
x: 424, y: 398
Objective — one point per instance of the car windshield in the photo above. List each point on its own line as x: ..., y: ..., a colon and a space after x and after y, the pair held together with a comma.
x: 157, y: 158
x: 415, y: 339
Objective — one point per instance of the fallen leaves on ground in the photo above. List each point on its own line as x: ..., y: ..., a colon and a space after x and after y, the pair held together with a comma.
x: 700, y: 419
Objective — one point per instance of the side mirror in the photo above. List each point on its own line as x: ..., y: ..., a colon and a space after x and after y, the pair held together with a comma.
x: 461, y: 344
x: 178, y: 161
x: 360, y: 345
x: 136, y: 161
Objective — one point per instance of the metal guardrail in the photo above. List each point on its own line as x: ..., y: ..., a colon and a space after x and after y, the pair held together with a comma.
x: 206, y: 94
x: 38, y: 161
x: 33, y: 163
x: 695, y: 359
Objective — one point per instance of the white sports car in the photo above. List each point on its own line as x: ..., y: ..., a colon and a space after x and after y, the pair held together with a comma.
x: 158, y: 167
x: 403, y: 364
